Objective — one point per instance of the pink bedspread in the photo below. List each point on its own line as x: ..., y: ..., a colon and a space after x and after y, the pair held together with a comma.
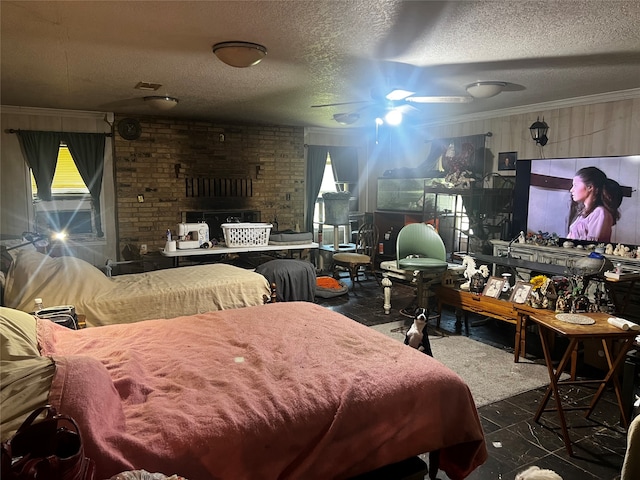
x: 287, y: 390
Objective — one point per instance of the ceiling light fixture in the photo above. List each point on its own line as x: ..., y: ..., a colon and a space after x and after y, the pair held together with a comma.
x: 485, y: 89
x: 393, y: 117
x: 161, y: 102
x: 539, y: 131
x: 346, y: 118
x: 239, y: 54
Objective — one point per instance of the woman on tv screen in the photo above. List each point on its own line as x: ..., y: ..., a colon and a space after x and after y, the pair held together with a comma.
x: 595, y: 202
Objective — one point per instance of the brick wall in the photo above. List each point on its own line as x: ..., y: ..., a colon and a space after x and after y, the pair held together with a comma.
x: 172, y: 154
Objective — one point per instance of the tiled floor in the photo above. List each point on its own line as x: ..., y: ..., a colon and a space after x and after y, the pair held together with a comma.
x: 514, y: 440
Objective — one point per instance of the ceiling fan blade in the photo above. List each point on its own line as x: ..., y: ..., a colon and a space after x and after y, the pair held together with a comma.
x: 338, y: 104
x: 398, y: 94
x: 440, y: 99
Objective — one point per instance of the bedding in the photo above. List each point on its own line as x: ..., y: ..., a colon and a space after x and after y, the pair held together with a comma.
x: 284, y: 390
x: 129, y: 298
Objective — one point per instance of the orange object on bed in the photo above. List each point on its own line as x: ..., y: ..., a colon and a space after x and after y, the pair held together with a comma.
x: 286, y: 390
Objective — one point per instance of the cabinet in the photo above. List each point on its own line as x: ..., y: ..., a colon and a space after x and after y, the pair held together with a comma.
x: 460, y: 215
x: 627, y: 293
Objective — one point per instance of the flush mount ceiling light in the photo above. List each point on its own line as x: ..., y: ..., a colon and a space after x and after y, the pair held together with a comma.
x: 161, y: 102
x: 346, y: 118
x: 485, y: 89
x: 239, y: 54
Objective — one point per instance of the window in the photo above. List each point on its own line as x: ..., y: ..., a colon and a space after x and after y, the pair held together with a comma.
x: 328, y: 185
x: 70, y: 209
x: 66, y: 179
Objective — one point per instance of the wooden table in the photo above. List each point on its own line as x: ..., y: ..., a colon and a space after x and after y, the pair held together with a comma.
x: 549, y: 326
x: 503, y: 310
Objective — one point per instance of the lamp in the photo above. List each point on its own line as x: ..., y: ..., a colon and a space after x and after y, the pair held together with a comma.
x: 539, y: 131
x: 485, y: 89
x: 161, y: 102
x: 240, y: 54
x: 30, y: 238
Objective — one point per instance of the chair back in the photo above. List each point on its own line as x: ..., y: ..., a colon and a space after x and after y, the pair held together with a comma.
x: 367, y: 241
x: 420, y: 239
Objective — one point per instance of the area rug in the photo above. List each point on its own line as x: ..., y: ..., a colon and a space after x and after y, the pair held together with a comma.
x: 490, y: 372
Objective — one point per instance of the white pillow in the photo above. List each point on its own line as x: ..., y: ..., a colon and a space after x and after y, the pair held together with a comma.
x: 57, y: 280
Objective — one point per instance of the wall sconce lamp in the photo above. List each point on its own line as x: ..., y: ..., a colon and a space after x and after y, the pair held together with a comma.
x: 539, y: 131
x: 240, y: 54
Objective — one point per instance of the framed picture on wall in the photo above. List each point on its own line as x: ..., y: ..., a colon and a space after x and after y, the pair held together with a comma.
x: 507, y: 160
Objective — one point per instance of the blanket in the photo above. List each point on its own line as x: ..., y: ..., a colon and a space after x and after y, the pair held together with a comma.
x: 130, y: 298
x: 289, y: 390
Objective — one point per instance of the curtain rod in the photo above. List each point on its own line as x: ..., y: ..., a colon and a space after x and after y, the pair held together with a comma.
x: 11, y: 130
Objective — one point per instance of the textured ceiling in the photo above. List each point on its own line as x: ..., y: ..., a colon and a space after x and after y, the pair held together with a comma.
x: 89, y: 55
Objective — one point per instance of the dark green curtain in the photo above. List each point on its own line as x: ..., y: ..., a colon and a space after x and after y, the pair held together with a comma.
x: 344, y: 162
x: 316, y: 161
x: 87, y: 151
x: 41, y: 154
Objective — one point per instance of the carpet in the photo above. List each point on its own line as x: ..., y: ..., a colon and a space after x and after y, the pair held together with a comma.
x: 490, y: 372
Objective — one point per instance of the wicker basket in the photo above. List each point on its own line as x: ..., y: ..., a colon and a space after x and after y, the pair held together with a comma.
x: 246, y: 234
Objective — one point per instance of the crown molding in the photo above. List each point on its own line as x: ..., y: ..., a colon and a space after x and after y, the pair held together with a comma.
x: 630, y: 94
x: 51, y: 112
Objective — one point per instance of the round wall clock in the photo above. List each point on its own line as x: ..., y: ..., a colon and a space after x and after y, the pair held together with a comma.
x: 129, y: 128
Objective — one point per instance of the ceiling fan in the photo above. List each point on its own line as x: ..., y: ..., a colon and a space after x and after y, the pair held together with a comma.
x: 398, y: 100
x: 403, y: 101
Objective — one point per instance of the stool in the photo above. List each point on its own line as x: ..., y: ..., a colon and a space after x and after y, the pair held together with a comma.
x: 295, y: 280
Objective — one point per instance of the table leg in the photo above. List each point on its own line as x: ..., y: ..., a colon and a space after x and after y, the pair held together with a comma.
x: 554, y: 376
x: 611, y: 375
x: 458, y: 325
x: 519, y: 343
x: 386, y: 286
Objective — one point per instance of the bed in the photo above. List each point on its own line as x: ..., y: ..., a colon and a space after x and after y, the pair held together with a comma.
x: 129, y: 298
x: 283, y: 390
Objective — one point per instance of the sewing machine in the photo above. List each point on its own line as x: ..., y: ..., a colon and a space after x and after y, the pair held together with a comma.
x: 191, y: 235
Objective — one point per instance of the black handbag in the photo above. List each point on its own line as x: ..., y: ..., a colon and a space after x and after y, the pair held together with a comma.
x: 49, y: 449
x: 64, y: 315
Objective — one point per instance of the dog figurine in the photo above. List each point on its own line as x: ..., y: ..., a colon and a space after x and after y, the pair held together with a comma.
x: 417, y: 336
x: 537, y: 473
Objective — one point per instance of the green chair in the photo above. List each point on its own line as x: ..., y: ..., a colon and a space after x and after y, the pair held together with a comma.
x: 420, y: 249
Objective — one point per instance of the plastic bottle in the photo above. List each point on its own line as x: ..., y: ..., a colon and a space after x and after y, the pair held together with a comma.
x: 38, y: 305
x: 168, y: 235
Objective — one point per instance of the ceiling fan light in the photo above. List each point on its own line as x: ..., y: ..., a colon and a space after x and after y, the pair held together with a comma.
x: 239, y: 54
x: 161, y: 102
x: 394, y: 117
x: 485, y: 89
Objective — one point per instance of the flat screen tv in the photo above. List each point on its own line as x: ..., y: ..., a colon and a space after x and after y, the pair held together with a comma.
x: 543, y: 202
